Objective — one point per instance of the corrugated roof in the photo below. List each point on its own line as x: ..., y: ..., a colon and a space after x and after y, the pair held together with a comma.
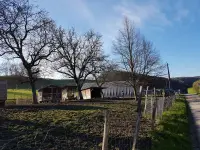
x: 105, y: 85
x: 49, y: 87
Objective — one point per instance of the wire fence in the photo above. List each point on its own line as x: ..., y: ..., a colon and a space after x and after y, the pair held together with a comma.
x: 107, y: 129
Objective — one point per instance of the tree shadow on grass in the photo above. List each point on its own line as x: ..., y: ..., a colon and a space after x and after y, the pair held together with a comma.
x: 34, y: 135
x: 54, y: 107
x: 18, y: 134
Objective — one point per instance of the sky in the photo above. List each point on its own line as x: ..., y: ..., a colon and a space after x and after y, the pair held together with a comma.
x: 172, y: 25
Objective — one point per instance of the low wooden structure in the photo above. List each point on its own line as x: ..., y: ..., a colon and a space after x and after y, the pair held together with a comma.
x: 50, y: 93
x: 3, y: 92
x: 91, y: 91
x: 69, y: 93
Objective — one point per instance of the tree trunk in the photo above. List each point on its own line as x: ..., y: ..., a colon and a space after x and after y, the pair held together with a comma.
x: 32, y: 84
x: 79, y: 92
x: 102, y: 95
x: 34, y: 95
x: 139, y: 114
x: 135, y: 94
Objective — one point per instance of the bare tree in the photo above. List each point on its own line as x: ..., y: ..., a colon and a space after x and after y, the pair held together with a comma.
x: 26, y: 33
x: 4, y: 69
x: 76, y: 54
x: 139, y: 58
x: 102, y: 72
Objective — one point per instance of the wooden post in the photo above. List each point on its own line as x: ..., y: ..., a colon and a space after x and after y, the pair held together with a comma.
x: 52, y: 94
x: 169, y: 80
x: 163, y: 105
x: 151, y: 103
x: 146, y: 98
x: 154, y: 110
x: 106, y: 131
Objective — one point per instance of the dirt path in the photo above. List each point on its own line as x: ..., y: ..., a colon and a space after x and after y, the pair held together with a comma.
x: 194, y: 106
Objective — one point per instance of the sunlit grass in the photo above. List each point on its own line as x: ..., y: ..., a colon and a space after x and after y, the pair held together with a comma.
x: 13, y: 94
x: 191, y: 91
x: 172, y: 132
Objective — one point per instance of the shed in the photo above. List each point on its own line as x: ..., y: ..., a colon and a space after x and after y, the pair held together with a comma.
x: 3, y: 92
x: 50, y: 93
x: 69, y: 93
x: 91, y: 91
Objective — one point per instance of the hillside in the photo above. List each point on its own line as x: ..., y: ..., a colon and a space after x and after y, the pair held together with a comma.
x: 20, y: 82
x: 187, y: 80
x: 158, y: 82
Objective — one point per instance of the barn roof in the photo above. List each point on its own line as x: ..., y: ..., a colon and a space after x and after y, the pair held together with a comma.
x: 116, y: 83
x: 105, y: 85
x: 49, y: 86
x: 90, y: 85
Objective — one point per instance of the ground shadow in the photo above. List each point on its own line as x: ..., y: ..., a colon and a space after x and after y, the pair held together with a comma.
x: 53, y: 107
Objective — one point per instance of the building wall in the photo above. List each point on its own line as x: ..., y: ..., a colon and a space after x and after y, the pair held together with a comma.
x: 64, y: 95
x: 69, y: 93
x: 86, y: 94
x: 118, y: 91
x: 39, y: 96
x: 3, y: 90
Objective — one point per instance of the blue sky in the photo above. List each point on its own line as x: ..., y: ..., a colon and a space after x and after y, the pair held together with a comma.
x: 172, y: 25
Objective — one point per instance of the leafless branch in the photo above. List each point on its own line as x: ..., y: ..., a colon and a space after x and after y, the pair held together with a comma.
x: 26, y: 33
x: 76, y: 53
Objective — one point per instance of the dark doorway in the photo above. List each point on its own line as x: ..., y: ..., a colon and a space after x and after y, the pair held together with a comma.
x: 96, y: 93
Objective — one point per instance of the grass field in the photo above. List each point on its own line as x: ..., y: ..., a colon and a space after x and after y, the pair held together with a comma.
x: 19, y: 93
x: 74, y: 126
x: 13, y: 94
x: 191, y: 91
x: 173, y: 131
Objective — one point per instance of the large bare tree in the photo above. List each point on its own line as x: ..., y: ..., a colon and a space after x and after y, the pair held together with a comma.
x: 139, y: 58
x: 103, y: 70
x: 76, y: 54
x: 26, y: 33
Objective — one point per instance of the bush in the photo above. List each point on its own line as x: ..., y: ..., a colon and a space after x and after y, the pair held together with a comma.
x: 196, y: 85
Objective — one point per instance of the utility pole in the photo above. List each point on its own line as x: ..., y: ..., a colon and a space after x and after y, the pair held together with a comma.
x: 169, y: 80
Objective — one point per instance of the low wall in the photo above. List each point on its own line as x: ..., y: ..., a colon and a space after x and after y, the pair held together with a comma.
x: 23, y: 101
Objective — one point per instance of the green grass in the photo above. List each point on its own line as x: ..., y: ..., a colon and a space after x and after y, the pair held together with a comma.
x: 172, y: 132
x: 191, y: 91
x: 19, y: 93
x: 13, y: 94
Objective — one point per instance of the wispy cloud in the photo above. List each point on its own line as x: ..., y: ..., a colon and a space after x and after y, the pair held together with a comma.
x: 81, y: 9
x: 180, y: 11
x: 181, y: 14
x: 142, y: 13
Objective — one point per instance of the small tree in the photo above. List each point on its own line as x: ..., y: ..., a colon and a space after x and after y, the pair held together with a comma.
x: 26, y: 33
x: 76, y: 54
x: 139, y: 58
x: 196, y: 86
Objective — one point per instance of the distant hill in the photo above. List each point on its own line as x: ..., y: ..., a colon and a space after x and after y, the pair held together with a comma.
x: 187, y: 80
x: 159, y: 82
x: 19, y: 82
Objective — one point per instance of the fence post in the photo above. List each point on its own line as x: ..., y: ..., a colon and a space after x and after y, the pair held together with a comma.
x: 106, y: 131
x: 163, y: 104
x: 151, y: 104
x: 146, y: 98
x: 154, y: 110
